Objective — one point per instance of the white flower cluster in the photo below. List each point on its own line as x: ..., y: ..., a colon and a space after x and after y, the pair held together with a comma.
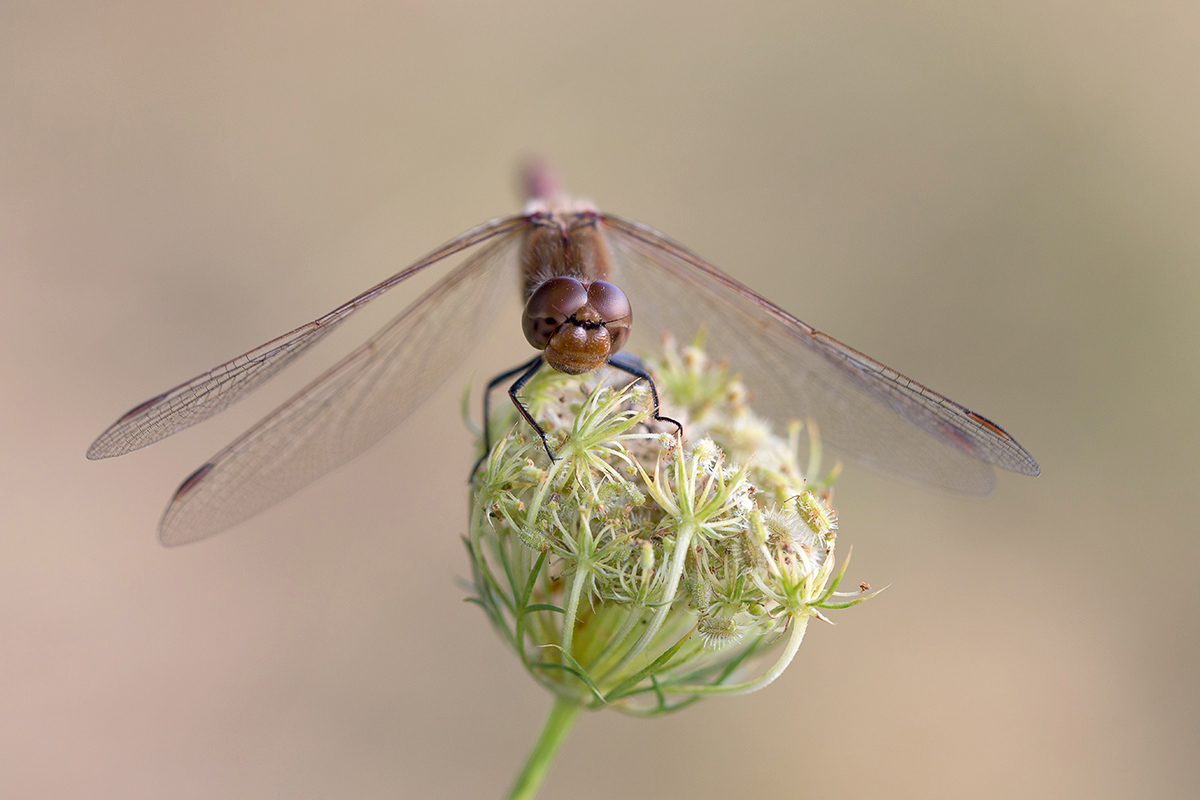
x: 638, y: 572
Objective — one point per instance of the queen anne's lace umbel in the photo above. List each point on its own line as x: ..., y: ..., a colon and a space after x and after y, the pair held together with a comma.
x: 638, y: 572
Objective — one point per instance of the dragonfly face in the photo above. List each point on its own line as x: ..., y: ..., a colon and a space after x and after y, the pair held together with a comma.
x: 577, y: 326
x: 570, y: 258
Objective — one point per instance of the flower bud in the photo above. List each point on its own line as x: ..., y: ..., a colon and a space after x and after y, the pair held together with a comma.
x: 638, y: 573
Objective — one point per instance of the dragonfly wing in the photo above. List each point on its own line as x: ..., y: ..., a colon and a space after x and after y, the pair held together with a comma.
x: 215, y: 390
x: 865, y: 411
x: 350, y: 407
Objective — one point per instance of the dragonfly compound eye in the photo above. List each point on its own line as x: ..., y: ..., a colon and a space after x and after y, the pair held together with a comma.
x: 550, y: 305
x: 613, y: 307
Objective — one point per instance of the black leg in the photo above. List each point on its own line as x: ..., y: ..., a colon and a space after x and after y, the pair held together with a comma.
x: 534, y: 366
x: 631, y: 365
x: 527, y: 369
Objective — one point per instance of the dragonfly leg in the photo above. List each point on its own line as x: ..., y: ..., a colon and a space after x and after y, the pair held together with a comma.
x: 632, y: 365
x: 525, y: 371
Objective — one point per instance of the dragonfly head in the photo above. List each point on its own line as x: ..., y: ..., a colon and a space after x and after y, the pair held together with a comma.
x: 577, y: 326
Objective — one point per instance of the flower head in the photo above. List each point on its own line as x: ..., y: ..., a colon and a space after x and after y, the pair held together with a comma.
x: 643, y: 572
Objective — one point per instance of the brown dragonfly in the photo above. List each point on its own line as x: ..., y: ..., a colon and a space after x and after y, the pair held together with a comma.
x: 866, y: 412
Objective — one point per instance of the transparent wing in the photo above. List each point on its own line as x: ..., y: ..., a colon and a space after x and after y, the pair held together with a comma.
x: 866, y: 412
x: 350, y: 407
x: 215, y: 390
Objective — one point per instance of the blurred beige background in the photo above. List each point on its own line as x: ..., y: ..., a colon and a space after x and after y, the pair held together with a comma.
x: 999, y: 199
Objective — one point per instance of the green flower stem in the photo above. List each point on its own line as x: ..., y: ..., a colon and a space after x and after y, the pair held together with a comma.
x: 683, y: 546
x: 611, y: 651
x: 571, y: 611
x: 559, y: 723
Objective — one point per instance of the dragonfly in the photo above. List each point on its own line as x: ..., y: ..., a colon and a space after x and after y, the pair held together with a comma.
x: 607, y: 270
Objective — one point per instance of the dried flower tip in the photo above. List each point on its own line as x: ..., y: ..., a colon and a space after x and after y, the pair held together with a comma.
x: 694, y: 359
x: 736, y: 393
x: 706, y: 451
x: 640, y: 396
x: 717, y: 632
x: 531, y: 473
x: 817, y: 513
x: 700, y: 590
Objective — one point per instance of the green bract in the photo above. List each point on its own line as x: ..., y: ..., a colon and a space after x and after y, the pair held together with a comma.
x: 633, y: 573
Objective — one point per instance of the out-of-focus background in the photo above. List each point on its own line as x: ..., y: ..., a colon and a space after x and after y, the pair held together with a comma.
x: 1000, y: 199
